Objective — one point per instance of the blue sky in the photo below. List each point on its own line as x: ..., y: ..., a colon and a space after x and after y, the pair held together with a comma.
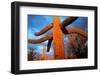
x: 37, y: 22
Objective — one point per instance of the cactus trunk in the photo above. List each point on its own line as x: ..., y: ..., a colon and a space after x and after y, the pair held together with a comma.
x: 58, y: 40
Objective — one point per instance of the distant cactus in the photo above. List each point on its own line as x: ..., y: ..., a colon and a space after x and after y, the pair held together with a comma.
x: 44, y: 54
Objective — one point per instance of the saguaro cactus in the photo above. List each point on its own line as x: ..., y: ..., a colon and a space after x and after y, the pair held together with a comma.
x: 56, y: 35
x: 58, y: 41
x: 43, y: 54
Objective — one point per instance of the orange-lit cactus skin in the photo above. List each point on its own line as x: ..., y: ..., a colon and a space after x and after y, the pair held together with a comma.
x: 43, y: 54
x: 58, y: 41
